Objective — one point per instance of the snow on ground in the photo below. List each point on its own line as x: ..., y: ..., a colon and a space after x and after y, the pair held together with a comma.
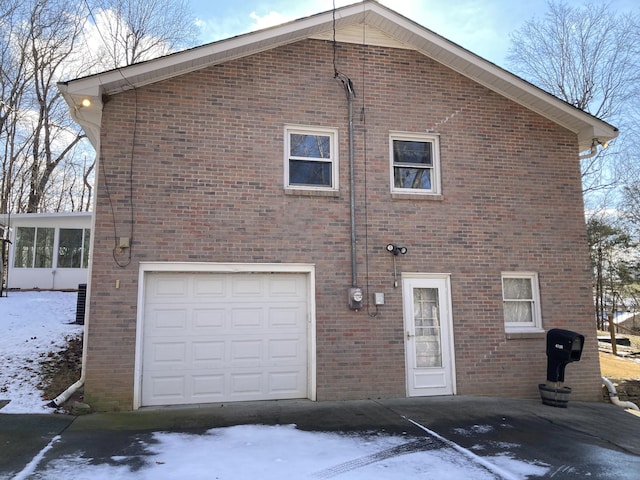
x: 277, y: 452
x: 32, y: 325
x: 35, y: 323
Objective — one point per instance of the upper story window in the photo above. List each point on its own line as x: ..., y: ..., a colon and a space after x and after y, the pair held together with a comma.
x: 415, y: 163
x: 521, y: 302
x: 311, y: 158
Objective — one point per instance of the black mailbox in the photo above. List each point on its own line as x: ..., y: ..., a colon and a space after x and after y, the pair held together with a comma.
x: 563, y: 347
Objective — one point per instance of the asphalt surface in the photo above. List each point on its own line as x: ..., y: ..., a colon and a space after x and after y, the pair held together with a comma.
x: 585, y: 440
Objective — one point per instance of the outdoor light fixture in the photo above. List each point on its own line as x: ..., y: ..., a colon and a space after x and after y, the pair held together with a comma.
x: 395, y: 250
x: 86, y: 103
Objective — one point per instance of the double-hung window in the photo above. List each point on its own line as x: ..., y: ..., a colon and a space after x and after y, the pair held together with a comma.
x: 521, y: 302
x: 415, y: 163
x: 311, y: 158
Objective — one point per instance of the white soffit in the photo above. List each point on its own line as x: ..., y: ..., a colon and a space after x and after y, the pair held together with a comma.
x: 364, y: 23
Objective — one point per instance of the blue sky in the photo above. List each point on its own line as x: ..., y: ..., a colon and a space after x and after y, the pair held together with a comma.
x: 482, y: 26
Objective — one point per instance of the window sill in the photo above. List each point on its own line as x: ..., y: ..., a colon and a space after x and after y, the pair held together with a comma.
x: 312, y: 193
x: 525, y: 334
x: 418, y: 196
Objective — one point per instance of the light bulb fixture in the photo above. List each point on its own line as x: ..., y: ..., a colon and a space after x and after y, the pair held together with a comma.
x: 86, y: 103
x: 395, y: 250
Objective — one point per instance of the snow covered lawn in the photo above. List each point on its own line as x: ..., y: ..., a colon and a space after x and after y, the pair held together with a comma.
x: 32, y: 324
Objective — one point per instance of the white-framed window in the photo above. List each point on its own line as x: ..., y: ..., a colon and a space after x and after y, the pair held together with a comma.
x: 73, y: 247
x: 311, y: 158
x: 521, y: 302
x: 34, y: 247
x: 415, y: 163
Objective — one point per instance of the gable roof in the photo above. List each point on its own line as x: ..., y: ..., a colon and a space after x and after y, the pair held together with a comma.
x: 363, y: 23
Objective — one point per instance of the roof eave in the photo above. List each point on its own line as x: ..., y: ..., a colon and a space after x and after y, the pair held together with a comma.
x: 403, y: 31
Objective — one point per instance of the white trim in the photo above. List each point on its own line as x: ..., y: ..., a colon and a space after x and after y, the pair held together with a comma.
x: 432, y: 138
x: 332, y: 133
x: 332, y: 23
x: 192, y: 267
x: 536, y: 311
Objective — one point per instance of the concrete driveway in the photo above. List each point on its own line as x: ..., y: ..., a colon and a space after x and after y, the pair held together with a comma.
x: 585, y: 440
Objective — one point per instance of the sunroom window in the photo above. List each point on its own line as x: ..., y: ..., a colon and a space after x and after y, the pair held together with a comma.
x: 34, y: 247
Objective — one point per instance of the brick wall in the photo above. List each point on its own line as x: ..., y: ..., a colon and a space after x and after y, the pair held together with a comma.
x: 207, y: 173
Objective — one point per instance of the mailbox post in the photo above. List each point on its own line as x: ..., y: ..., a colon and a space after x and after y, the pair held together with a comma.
x: 563, y: 347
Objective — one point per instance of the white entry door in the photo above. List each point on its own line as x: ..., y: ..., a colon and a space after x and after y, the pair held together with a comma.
x: 428, y: 335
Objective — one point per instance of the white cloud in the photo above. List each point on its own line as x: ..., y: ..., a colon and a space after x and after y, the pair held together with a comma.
x: 269, y: 20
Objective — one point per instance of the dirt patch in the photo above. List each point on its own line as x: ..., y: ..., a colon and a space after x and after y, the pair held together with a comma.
x: 59, y: 370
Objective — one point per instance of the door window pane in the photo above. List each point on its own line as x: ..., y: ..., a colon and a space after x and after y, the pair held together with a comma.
x: 426, y: 318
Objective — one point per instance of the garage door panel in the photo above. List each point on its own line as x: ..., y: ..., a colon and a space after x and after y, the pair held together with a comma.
x: 208, y: 387
x: 246, y: 384
x: 285, y: 287
x: 285, y: 382
x: 286, y: 317
x: 208, y: 354
x: 205, y: 318
x: 168, y: 353
x: 247, y: 317
x: 286, y: 350
x: 165, y: 319
x: 247, y: 286
x: 228, y: 337
x: 170, y: 287
x: 168, y: 389
x: 205, y: 286
x: 246, y: 352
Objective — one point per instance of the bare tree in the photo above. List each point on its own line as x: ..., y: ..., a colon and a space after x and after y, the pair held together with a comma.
x: 587, y: 56
x: 133, y: 31
x: 15, y: 77
x: 43, y: 157
x: 53, y: 34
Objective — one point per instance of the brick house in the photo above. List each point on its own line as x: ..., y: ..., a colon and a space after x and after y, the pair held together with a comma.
x: 252, y: 190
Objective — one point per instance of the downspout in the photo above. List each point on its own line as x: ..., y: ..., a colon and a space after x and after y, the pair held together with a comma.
x: 613, y: 396
x: 64, y: 396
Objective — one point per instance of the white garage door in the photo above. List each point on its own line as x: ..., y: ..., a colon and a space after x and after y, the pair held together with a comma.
x: 219, y: 337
